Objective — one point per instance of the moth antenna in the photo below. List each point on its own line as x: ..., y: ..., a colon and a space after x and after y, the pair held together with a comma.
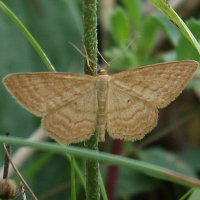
x: 123, y: 50
x: 86, y: 57
x: 107, y: 64
x: 19, y: 175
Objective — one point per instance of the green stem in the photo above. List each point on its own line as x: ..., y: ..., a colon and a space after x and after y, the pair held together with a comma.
x: 78, y: 171
x: 90, y: 41
x: 187, y: 194
x: 92, y: 169
x: 136, y: 165
x: 103, y: 190
x: 73, y: 184
x: 90, y: 32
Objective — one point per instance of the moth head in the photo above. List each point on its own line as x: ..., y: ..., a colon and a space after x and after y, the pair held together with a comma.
x: 102, y: 72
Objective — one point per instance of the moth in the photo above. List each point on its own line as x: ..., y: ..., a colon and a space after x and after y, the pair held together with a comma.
x: 125, y: 104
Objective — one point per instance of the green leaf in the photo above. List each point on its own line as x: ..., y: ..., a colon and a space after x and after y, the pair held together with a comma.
x: 132, y: 183
x: 119, y: 27
x: 146, y: 168
x: 134, y: 8
x: 33, y: 170
x: 195, y: 195
x: 171, y: 31
x: 184, y: 197
x: 164, y: 158
x: 165, y: 8
x: 146, y: 41
x: 128, y: 60
x: 191, y: 156
x: 185, y: 50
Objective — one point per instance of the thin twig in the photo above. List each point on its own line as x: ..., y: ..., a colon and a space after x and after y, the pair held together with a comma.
x: 6, y: 161
x: 19, y: 175
x: 21, y: 155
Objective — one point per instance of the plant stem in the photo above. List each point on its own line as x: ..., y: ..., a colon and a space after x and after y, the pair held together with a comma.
x: 90, y: 41
x: 92, y: 169
x: 90, y: 32
x: 73, y: 184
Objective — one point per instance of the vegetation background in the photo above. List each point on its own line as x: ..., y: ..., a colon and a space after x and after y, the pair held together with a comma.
x: 173, y: 144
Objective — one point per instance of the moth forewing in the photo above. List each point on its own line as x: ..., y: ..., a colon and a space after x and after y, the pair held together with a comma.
x: 159, y: 83
x: 41, y: 92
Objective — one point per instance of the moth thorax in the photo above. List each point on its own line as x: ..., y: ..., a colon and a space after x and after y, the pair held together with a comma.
x: 102, y: 90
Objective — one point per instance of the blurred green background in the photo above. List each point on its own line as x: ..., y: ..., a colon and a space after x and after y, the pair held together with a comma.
x: 174, y: 143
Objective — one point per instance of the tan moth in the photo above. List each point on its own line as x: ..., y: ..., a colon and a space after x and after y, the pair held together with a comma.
x: 125, y: 104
